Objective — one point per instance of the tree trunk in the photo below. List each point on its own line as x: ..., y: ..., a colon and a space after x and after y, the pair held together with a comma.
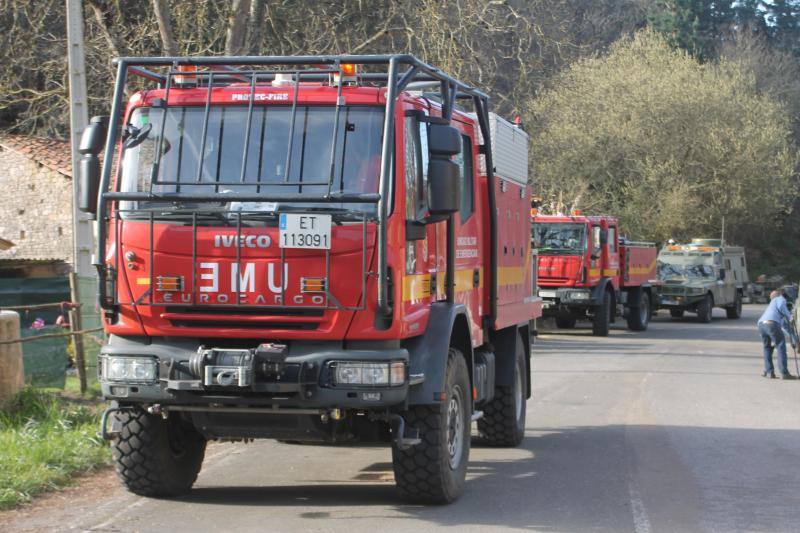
x: 255, y: 35
x: 169, y: 46
x: 237, y: 28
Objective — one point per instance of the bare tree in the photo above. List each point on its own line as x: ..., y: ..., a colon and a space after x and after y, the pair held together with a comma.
x: 168, y: 43
x: 236, y: 35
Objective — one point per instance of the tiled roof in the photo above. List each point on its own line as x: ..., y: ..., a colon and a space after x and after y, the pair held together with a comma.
x: 52, y: 153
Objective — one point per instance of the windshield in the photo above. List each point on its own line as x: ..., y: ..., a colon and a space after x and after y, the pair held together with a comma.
x: 196, y: 164
x: 559, y: 238
x: 674, y: 271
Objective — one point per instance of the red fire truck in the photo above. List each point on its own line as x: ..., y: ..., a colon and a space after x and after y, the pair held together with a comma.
x: 316, y: 248
x: 586, y: 270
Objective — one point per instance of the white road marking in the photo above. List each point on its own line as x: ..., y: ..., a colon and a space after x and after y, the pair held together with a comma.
x: 641, y: 523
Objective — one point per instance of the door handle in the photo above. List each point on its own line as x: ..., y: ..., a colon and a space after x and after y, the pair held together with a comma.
x: 476, y: 278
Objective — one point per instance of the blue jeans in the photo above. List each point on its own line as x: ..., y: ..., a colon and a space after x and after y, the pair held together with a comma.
x: 771, y: 338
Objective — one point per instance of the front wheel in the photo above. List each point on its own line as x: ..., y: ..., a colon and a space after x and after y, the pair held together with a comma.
x: 434, y: 470
x: 503, y: 421
x: 735, y: 310
x: 157, y: 457
x: 639, y: 317
x: 602, y: 317
x: 705, y: 309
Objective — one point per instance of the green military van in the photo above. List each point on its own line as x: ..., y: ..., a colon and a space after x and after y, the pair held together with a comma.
x: 702, y: 275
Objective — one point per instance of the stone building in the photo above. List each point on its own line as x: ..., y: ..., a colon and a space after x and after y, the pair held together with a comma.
x: 36, y: 207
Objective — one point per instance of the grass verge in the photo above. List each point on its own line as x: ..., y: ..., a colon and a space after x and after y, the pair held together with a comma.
x: 46, y: 437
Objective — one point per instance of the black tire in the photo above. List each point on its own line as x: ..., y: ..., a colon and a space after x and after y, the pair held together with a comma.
x: 503, y: 421
x: 565, y: 322
x: 157, y: 457
x: 601, y: 322
x: 676, y: 313
x: 434, y: 471
x: 705, y: 309
x: 735, y: 311
x: 639, y: 316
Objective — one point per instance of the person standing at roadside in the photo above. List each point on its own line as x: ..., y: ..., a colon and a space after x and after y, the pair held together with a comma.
x: 770, y: 326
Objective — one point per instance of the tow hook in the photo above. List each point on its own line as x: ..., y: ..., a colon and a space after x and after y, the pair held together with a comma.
x: 104, y: 433
x: 401, y: 438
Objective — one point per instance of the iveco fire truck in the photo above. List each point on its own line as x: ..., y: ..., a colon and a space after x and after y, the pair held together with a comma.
x: 316, y: 248
x: 586, y: 270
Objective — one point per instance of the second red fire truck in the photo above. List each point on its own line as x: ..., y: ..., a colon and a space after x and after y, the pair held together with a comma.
x: 293, y: 249
x: 587, y: 271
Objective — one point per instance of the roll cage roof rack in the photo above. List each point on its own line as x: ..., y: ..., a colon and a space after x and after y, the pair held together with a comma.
x: 400, y: 70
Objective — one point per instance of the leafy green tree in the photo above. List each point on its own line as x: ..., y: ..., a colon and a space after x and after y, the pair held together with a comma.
x: 668, y: 144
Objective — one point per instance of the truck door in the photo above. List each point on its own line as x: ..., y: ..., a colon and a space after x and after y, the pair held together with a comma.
x: 611, y: 252
x: 421, y: 276
x: 595, y: 255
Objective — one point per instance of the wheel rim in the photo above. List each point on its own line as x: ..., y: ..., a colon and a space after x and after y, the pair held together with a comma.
x: 644, y: 310
x: 455, y: 428
x: 176, y: 439
x: 518, y: 395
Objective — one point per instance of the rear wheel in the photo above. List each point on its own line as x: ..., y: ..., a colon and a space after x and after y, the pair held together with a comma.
x: 434, y: 470
x: 565, y: 322
x: 676, y: 313
x: 602, y: 316
x: 705, y: 309
x: 639, y: 317
x: 735, y: 310
x: 503, y: 421
x: 157, y: 457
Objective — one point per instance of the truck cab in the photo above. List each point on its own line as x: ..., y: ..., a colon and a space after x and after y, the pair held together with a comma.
x: 292, y: 248
x: 701, y: 275
x: 586, y: 270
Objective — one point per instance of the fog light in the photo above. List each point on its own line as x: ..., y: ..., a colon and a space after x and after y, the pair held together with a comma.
x: 128, y: 369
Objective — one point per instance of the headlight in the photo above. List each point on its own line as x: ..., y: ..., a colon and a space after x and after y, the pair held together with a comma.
x: 359, y: 373
x: 578, y: 295
x: 128, y: 369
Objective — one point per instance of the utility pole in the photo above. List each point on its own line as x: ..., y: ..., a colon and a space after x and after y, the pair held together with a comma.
x: 82, y: 230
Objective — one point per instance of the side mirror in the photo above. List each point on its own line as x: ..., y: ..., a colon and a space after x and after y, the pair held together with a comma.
x: 444, y: 183
x: 90, y: 147
x: 722, y: 274
x: 444, y: 187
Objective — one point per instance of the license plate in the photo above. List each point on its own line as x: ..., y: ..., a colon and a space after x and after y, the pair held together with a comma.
x: 309, y: 231
x: 547, y: 294
x: 669, y: 301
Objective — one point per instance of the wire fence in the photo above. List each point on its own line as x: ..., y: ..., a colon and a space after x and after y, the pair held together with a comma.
x: 60, y: 337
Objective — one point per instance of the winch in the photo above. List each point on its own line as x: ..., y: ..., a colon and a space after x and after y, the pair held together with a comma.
x: 235, y: 367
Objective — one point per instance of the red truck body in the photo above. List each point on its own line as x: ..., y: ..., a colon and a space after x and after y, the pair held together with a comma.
x: 330, y: 251
x: 585, y: 270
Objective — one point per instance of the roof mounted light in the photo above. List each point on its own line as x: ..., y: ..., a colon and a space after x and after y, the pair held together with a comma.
x: 184, y: 80
x: 348, y: 73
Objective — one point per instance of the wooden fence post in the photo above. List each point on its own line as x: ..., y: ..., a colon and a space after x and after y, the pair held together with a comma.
x: 75, y: 325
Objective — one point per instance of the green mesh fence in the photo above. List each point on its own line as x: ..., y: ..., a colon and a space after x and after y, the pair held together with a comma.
x: 46, y: 361
x: 90, y: 319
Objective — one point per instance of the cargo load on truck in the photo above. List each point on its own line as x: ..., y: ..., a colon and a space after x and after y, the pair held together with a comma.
x: 313, y: 248
x: 588, y: 271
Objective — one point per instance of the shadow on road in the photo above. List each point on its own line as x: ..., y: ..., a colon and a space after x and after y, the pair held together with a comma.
x: 581, y: 478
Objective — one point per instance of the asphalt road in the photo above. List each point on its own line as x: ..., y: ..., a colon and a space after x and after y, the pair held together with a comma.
x: 668, y: 430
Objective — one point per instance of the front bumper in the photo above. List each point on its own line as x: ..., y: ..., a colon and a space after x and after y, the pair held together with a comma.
x: 303, y: 383
x: 557, y: 301
x: 680, y: 301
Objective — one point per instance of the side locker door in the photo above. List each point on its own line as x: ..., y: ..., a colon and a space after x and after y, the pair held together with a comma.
x: 469, y: 272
